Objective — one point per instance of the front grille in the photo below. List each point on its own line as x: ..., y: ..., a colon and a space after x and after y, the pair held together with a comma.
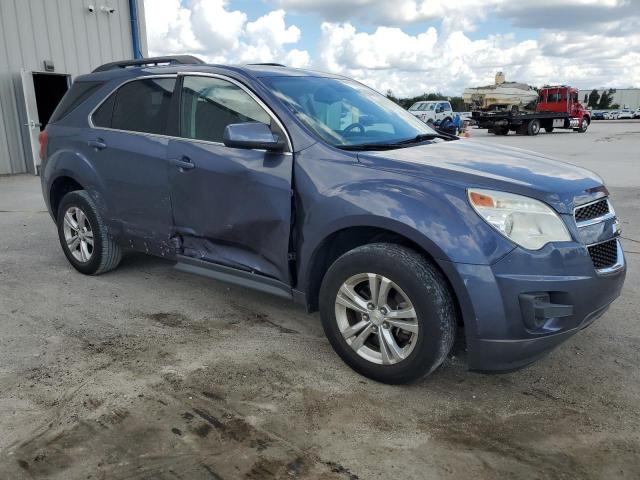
x: 593, y: 210
x: 604, y: 255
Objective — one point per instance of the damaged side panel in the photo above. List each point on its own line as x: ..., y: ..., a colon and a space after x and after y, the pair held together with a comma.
x: 136, y: 192
x: 233, y: 207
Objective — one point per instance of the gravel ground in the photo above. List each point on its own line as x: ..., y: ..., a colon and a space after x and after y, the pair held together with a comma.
x: 149, y: 373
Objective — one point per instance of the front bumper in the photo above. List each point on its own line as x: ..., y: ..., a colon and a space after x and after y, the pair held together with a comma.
x: 499, y: 337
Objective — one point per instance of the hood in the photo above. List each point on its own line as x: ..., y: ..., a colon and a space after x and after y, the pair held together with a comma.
x: 469, y: 163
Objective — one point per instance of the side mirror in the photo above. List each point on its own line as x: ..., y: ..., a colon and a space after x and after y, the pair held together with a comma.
x: 252, y: 135
x: 439, y: 109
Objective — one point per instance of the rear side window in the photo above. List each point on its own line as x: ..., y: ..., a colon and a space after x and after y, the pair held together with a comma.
x: 138, y: 106
x: 77, y: 94
x: 102, y: 116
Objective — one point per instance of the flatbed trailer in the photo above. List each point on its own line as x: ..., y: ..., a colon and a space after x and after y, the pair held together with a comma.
x: 526, y: 123
x: 556, y: 107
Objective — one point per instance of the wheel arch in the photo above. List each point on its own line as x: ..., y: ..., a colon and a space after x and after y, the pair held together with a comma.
x: 345, y: 239
x: 59, y: 188
x: 66, y: 171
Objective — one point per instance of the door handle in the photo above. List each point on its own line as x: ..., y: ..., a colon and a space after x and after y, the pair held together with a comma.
x: 183, y: 163
x: 97, y: 144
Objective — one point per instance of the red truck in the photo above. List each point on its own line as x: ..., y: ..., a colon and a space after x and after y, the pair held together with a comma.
x: 556, y: 107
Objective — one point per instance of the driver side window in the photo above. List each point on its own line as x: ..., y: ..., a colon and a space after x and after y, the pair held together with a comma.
x: 208, y: 105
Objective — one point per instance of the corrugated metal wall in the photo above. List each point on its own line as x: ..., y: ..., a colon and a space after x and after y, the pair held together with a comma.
x: 622, y: 96
x: 65, y: 32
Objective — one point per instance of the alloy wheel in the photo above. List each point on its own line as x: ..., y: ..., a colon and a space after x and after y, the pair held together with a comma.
x: 78, y: 234
x: 376, y: 318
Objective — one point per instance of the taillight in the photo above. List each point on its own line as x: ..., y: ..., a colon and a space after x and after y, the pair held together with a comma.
x: 43, y: 138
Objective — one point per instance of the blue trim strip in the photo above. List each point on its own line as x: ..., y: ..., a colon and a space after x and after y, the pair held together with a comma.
x: 135, y: 30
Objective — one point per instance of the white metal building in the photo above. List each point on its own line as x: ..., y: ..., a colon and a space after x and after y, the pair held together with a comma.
x: 43, y: 45
x: 625, y: 97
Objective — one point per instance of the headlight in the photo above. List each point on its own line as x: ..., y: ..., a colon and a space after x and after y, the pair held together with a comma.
x: 525, y: 221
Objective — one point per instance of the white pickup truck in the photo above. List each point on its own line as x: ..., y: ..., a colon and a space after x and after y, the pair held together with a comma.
x: 436, y: 110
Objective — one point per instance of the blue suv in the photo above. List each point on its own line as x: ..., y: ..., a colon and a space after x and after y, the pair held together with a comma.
x: 316, y: 188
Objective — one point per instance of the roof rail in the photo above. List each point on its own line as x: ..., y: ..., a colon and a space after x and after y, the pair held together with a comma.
x: 151, y: 61
x: 268, y: 64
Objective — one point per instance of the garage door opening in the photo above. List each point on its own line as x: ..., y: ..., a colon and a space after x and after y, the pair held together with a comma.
x: 42, y: 93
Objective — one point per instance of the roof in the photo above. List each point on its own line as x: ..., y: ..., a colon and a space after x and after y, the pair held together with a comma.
x: 144, y: 67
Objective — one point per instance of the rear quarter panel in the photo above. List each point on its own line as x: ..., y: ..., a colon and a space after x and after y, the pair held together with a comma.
x: 65, y: 160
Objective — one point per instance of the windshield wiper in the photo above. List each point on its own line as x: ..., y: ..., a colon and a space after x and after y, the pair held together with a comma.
x: 370, y: 146
x: 399, y: 144
x: 424, y: 137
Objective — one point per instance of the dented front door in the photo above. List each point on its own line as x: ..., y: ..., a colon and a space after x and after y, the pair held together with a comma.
x: 231, y: 206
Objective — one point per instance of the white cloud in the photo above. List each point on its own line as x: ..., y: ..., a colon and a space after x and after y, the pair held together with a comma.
x: 272, y: 30
x: 298, y: 58
x: 388, y: 13
x: 210, y: 30
x: 215, y: 27
x: 410, y: 64
x: 587, y: 43
x: 169, y: 27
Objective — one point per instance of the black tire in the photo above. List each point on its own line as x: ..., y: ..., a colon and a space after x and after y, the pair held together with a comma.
x: 533, y: 127
x: 501, y: 130
x: 548, y: 129
x: 585, y: 125
x: 427, y: 290
x: 106, y: 253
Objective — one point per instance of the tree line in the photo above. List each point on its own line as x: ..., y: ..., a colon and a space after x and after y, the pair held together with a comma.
x: 601, y: 102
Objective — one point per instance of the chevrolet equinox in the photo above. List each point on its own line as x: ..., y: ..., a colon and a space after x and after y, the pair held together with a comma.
x: 316, y: 188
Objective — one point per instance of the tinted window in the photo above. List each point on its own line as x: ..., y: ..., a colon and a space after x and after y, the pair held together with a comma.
x: 77, y: 94
x: 554, y: 97
x: 208, y: 105
x: 102, y: 116
x: 143, y: 105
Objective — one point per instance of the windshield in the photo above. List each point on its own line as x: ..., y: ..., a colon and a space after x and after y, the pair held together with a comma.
x: 345, y: 112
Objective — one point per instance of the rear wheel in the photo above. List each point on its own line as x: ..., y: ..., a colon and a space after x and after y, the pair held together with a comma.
x: 388, y: 312
x: 501, y: 130
x: 533, y: 127
x: 84, y: 237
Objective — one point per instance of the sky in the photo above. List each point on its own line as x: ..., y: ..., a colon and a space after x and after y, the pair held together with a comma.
x: 413, y: 46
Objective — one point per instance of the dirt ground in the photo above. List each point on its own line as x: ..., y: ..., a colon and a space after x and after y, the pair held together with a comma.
x: 149, y: 373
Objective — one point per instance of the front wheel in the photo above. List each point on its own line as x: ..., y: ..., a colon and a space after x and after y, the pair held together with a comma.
x: 533, y: 127
x: 584, y: 125
x: 388, y: 312
x: 548, y: 129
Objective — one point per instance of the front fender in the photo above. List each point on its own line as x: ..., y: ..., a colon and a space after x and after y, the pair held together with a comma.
x: 435, y: 216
